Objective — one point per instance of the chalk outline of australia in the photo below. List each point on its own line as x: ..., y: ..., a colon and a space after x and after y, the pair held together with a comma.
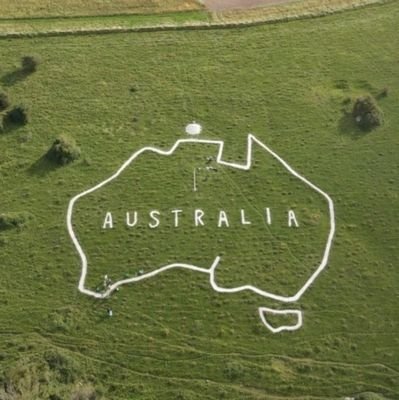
x: 251, y: 139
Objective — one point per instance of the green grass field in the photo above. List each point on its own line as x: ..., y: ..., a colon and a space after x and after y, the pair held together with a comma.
x: 172, y: 337
x: 68, y: 8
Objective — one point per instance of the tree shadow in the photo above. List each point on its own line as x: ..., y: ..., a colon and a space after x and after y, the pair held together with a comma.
x: 43, y: 166
x: 347, y: 126
x: 11, y: 78
x: 8, y: 127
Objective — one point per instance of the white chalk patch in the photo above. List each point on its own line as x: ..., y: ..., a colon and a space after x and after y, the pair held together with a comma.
x: 193, y: 129
x: 268, y: 216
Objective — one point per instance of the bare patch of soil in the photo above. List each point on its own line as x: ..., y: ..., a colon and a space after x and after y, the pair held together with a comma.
x: 223, y: 5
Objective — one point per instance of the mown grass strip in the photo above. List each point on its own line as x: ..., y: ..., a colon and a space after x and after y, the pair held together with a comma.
x: 75, y: 8
x: 118, y: 23
x: 178, y: 20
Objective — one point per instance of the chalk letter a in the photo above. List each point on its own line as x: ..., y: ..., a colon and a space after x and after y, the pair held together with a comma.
x: 223, y: 219
x: 292, y: 219
x: 108, y: 221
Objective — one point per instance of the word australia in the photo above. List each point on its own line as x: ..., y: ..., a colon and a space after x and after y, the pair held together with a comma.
x: 177, y: 218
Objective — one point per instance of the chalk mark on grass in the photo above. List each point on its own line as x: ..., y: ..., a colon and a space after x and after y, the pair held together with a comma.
x: 251, y: 139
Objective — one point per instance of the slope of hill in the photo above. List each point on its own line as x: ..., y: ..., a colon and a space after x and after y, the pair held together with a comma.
x: 292, y: 85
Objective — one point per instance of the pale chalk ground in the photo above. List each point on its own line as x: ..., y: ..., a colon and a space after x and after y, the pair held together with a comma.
x: 222, y: 5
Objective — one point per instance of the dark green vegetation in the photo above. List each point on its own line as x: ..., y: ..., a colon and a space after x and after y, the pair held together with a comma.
x: 366, y: 113
x: 63, y: 151
x: 172, y: 337
x: 17, y: 116
x: 29, y: 64
x: 14, y: 220
x: 4, y: 101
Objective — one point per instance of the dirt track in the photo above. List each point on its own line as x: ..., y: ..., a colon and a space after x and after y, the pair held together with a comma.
x: 221, y: 5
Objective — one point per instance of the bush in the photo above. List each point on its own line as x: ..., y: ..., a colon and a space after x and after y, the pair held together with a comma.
x: 233, y: 370
x: 366, y: 113
x: 4, y: 101
x: 63, y: 151
x: 14, y: 220
x: 17, y: 116
x: 29, y: 64
x: 65, y: 367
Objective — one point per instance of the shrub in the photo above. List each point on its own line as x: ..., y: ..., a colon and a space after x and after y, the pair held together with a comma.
x: 63, y: 151
x: 14, y: 220
x: 366, y: 113
x: 4, y: 101
x: 233, y: 370
x: 17, y: 116
x: 65, y: 367
x: 29, y: 64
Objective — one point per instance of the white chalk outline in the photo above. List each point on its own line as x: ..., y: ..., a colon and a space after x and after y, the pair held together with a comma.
x: 263, y: 310
x: 211, y: 271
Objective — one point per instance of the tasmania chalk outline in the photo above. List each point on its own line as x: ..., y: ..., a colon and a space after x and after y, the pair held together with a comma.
x: 251, y: 139
x: 263, y: 310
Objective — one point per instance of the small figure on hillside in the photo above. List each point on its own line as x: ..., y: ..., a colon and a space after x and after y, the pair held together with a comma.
x: 109, y: 312
x: 107, y: 282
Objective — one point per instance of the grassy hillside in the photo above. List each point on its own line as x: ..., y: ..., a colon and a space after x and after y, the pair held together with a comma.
x: 46, y: 8
x: 171, y: 337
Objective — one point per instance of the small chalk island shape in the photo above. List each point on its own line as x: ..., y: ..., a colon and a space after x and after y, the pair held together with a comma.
x: 153, y: 219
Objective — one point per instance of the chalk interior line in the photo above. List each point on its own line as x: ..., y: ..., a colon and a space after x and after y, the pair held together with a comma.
x: 211, y: 271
